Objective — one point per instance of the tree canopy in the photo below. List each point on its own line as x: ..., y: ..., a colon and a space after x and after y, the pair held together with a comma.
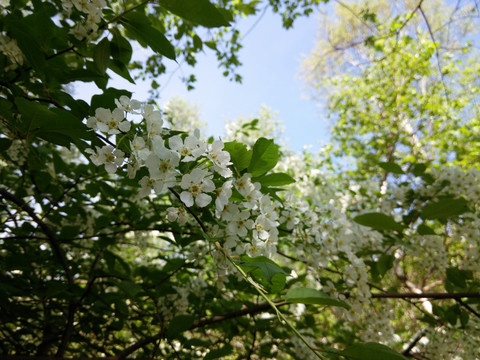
x: 128, y: 233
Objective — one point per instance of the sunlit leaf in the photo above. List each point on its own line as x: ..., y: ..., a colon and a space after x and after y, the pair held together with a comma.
x: 201, y: 12
x: 371, y: 351
x: 378, y: 221
x: 304, y: 295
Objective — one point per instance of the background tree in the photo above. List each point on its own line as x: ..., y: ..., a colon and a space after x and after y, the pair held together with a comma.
x: 401, y: 83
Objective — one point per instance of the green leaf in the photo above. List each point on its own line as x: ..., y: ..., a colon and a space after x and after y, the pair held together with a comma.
x: 201, y: 12
x: 385, y: 263
x: 264, y: 157
x: 101, y: 55
x: 239, y: 154
x: 459, y: 277
x: 42, y: 180
x: 227, y: 349
x: 5, y: 144
x: 371, y: 351
x: 179, y: 324
x: 275, y: 179
x: 140, y: 27
x: 418, y: 169
x: 56, y: 125
x: 304, y: 295
x: 27, y: 40
x: 444, y: 208
x: 120, y: 47
x: 121, y: 69
x: 129, y: 288
x: 197, y: 42
x: 268, y: 267
x: 423, y: 229
x: 378, y: 221
x: 277, y: 283
x: 391, y: 167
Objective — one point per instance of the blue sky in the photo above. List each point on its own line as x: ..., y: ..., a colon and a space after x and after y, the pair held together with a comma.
x: 271, y: 58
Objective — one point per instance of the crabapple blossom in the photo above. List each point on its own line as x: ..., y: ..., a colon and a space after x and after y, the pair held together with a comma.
x: 10, y: 48
x: 107, y: 155
x: 139, y: 148
x: 223, y: 195
x: 240, y: 223
x: 109, y: 122
x: 195, y: 185
x: 178, y: 214
x: 127, y: 104
x: 154, y: 121
x: 189, y: 149
x: 219, y: 158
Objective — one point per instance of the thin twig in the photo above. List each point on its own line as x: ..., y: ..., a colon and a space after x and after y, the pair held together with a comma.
x: 437, y: 53
x: 197, y: 219
x: 414, y: 342
x: 468, y: 307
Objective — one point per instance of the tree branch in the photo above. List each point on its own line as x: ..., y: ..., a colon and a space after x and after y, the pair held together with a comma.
x: 435, y: 296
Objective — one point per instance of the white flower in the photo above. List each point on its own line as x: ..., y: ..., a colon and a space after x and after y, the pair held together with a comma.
x: 132, y: 167
x: 244, y: 184
x: 252, y: 194
x: 10, y: 48
x: 256, y: 248
x: 223, y: 195
x: 261, y: 227
x: 240, y: 223
x: 161, y: 169
x: 154, y: 121
x: 139, y: 148
x: 190, y: 149
x: 220, y: 158
x: 177, y: 214
x: 288, y: 217
x: 196, y: 185
x: 108, y: 156
x: 109, y: 122
x: 82, y: 5
x: 127, y: 104
x: 79, y: 31
x: 148, y: 184
x: 162, y: 160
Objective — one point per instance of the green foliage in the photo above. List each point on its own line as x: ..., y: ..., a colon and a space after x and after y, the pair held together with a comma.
x: 264, y: 157
x: 378, y: 221
x: 122, y: 237
x: 373, y: 351
x: 201, y: 12
x: 312, y: 296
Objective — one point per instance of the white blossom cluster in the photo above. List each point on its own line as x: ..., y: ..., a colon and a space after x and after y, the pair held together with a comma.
x: 92, y: 13
x: 18, y: 151
x: 251, y: 223
x: 10, y: 48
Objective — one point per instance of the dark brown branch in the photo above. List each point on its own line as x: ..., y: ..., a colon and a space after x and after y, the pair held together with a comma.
x: 468, y: 307
x: 437, y: 296
x: 177, y: 195
x: 414, y: 342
